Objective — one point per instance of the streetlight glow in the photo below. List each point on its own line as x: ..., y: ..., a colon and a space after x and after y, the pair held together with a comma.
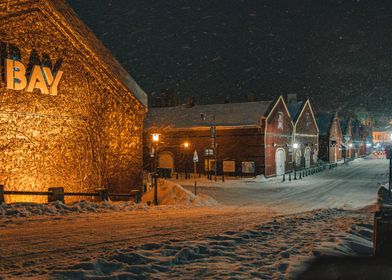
x: 295, y: 145
x: 186, y: 144
x: 155, y: 137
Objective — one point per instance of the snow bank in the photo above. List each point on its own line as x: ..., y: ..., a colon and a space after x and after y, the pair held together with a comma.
x: 170, y: 193
x: 58, y: 208
x: 277, y: 249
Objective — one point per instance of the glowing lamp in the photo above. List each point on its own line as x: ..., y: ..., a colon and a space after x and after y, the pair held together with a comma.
x: 295, y: 145
x: 186, y: 144
x: 155, y: 137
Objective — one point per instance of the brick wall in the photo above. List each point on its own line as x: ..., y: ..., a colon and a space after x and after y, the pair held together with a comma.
x: 87, y: 136
x: 278, y: 138
x: 239, y: 144
x: 306, y: 134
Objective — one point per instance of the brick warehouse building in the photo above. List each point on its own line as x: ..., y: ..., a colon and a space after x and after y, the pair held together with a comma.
x: 305, y: 134
x: 70, y: 115
x: 348, y: 147
x: 252, y: 138
x: 330, y: 140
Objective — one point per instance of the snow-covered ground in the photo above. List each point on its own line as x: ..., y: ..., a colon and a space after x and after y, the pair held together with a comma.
x: 352, y: 185
x: 260, y: 230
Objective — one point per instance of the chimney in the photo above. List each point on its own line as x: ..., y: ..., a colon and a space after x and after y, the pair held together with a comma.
x: 292, y: 97
x: 190, y: 103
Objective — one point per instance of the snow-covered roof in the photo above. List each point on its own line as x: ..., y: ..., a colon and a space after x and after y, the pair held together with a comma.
x: 344, y: 125
x: 230, y: 114
x: 295, y: 108
x: 87, y: 38
x: 324, y: 122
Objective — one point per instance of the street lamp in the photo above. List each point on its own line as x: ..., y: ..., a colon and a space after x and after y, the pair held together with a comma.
x: 186, y: 146
x: 155, y: 141
x: 214, y: 144
x: 155, y: 137
x: 295, y: 147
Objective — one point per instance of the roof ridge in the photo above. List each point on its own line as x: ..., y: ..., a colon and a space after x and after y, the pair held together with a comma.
x: 86, y: 37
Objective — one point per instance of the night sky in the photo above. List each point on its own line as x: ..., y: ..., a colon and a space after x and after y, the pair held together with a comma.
x: 336, y: 52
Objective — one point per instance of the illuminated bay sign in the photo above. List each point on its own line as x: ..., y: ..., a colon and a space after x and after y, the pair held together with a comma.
x: 41, y: 78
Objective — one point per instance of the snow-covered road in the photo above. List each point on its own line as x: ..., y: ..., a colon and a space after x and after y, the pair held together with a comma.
x: 261, y: 230
x: 349, y: 186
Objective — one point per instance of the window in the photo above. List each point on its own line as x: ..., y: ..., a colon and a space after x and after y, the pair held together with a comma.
x: 307, y: 120
x: 280, y: 120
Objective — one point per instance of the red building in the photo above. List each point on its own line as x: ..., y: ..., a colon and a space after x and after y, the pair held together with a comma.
x: 251, y: 138
x: 360, y: 134
x: 348, y: 147
x: 305, y: 134
x: 330, y: 139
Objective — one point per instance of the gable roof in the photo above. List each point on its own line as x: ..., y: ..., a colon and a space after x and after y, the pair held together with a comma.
x: 344, y: 126
x: 230, y: 114
x: 61, y: 10
x: 295, y: 108
x: 324, y: 122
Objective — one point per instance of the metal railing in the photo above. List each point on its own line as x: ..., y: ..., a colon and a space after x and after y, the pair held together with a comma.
x: 58, y: 194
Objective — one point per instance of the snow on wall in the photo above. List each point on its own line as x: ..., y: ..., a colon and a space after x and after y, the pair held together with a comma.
x: 87, y: 136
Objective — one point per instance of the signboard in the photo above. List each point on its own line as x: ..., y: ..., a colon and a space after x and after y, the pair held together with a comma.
x: 41, y: 78
x: 209, y: 152
x: 195, y: 157
x: 248, y: 167
x: 229, y: 166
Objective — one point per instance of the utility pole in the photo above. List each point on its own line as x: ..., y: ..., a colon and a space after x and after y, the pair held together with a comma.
x: 214, y: 144
x: 213, y: 134
x: 195, y: 161
x: 154, y: 154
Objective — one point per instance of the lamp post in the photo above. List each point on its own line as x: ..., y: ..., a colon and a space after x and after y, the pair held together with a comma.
x: 154, y: 147
x: 295, y: 147
x: 186, y: 146
x: 214, y: 144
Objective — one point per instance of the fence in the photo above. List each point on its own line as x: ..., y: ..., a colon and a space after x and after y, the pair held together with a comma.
x: 304, y: 172
x: 58, y: 194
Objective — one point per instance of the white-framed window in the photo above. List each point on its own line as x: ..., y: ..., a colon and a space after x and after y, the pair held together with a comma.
x: 307, y: 120
x: 280, y: 120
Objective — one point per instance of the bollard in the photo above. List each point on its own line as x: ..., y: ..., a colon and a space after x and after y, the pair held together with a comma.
x: 56, y: 194
x: 137, y: 197
x: 2, y: 200
x: 382, y: 245
x: 284, y: 178
x: 103, y: 194
x: 177, y: 175
x: 300, y: 175
x: 290, y: 177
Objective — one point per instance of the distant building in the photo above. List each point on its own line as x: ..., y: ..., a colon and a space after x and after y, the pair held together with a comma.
x: 348, y: 148
x: 252, y: 137
x: 305, y: 133
x: 166, y: 98
x: 330, y: 139
x: 382, y: 137
x: 361, y: 133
